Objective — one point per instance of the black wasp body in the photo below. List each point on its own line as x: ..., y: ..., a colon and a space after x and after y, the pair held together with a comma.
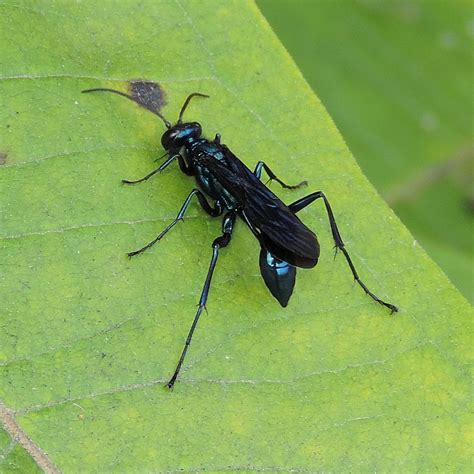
x: 285, y: 242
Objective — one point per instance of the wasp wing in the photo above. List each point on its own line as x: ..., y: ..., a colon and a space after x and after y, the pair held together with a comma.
x: 278, y: 229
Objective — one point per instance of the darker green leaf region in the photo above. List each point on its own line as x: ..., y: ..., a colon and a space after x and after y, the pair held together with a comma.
x: 148, y: 94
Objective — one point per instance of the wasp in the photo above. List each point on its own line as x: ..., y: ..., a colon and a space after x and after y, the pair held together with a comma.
x: 227, y: 188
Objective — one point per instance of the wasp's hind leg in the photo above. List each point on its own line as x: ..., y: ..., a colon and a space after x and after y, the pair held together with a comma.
x: 305, y: 201
x: 220, y: 242
x: 273, y: 177
x: 212, y: 211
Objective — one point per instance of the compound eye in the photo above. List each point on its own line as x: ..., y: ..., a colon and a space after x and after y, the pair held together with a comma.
x: 197, y: 128
x: 168, y: 138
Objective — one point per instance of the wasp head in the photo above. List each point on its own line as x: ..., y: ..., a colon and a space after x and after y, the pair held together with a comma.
x: 180, y: 134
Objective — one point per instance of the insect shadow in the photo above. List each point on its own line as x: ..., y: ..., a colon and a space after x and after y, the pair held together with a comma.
x: 227, y: 187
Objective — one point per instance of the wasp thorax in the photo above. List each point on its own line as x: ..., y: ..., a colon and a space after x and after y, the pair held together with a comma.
x: 179, y: 134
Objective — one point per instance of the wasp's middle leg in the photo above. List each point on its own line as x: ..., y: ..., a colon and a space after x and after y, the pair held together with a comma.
x: 212, y: 211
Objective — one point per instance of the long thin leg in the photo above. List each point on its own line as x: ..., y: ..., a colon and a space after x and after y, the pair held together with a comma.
x: 305, y: 201
x: 161, y: 157
x: 149, y: 175
x: 258, y: 173
x: 220, y: 242
x: 213, y: 211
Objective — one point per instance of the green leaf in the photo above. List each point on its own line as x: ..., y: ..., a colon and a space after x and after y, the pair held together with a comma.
x: 331, y: 383
x: 397, y: 79
x: 13, y: 457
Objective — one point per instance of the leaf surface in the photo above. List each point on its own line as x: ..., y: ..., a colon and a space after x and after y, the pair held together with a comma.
x: 88, y: 337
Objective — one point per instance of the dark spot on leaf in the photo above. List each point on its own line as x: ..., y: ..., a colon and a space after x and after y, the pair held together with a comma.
x: 469, y: 205
x: 3, y: 158
x: 148, y: 94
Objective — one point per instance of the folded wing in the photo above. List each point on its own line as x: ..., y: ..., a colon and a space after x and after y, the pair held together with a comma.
x: 279, y: 230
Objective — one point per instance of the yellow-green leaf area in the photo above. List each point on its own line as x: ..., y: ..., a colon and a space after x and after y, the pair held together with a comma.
x: 89, y: 337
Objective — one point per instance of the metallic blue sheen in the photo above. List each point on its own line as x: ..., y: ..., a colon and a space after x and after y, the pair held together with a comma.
x: 278, y: 275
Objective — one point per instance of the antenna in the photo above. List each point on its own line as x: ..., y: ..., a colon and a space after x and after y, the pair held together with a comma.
x: 186, y: 103
x: 104, y: 89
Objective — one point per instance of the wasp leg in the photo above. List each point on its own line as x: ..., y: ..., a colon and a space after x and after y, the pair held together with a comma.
x: 184, y: 166
x: 305, y: 201
x: 258, y: 173
x: 149, y: 175
x: 220, y: 242
x: 213, y: 211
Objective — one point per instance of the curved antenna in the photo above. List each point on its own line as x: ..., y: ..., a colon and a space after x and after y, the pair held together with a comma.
x: 186, y: 103
x: 105, y: 89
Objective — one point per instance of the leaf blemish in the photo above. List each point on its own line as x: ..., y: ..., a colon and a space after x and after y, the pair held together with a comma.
x: 3, y: 157
x: 148, y: 94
